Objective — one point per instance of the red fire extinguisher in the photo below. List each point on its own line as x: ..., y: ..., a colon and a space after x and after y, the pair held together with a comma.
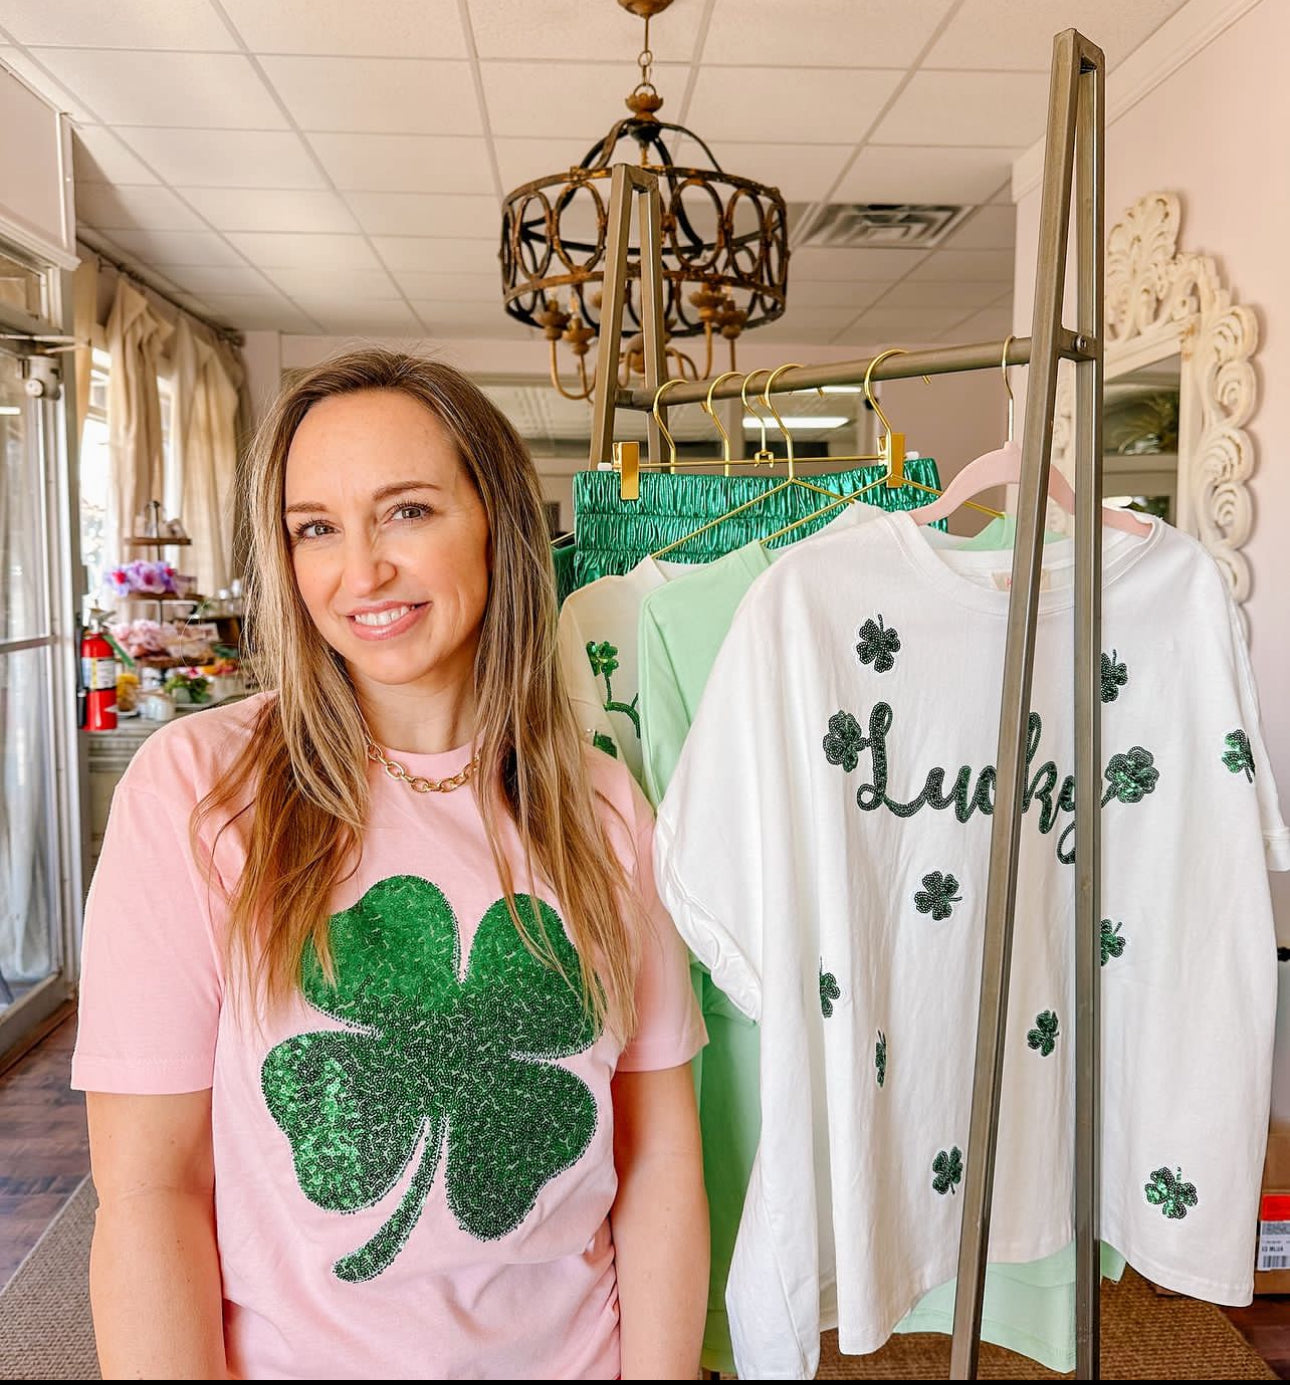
x: 98, y: 675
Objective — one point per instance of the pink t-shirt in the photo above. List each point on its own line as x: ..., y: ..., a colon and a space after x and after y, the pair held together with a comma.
x: 413, y: 1165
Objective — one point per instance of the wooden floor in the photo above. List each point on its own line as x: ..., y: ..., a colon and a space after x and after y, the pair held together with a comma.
x: 44, y: 1154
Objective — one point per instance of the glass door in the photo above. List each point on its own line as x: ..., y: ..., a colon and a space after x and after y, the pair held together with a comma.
x: 39, y: 849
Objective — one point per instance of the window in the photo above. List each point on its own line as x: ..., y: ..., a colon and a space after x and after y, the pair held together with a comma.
x: 95, y: 472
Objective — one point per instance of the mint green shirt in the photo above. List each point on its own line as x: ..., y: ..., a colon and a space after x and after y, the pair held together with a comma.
x: 1028, y: 1308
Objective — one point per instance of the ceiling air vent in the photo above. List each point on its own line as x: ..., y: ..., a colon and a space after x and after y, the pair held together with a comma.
x: 877, y: 225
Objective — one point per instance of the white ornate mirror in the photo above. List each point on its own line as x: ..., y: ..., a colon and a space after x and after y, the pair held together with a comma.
x: 1172, y: 333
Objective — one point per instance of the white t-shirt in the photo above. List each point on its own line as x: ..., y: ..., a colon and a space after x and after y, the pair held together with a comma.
x: 823, y: 848
x: 596, y: 643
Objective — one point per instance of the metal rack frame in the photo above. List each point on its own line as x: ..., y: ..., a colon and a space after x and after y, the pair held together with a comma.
x: 1073, y: 163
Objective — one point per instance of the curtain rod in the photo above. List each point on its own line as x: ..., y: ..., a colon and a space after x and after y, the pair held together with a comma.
x: 228, y: 334
x: 943, y: 361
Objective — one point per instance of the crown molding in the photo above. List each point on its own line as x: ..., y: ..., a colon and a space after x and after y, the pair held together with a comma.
x: 1178, y: 40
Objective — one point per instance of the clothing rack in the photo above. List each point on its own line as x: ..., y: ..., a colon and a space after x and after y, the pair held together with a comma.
x: 1073, y: 162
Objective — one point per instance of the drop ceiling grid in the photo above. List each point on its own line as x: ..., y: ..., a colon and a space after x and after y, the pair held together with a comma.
x: 409, y: 127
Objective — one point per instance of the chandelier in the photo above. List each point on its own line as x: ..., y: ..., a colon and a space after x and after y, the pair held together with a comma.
x: 725, y: 244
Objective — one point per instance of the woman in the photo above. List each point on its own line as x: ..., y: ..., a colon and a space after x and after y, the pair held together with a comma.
x: 384, y: 1031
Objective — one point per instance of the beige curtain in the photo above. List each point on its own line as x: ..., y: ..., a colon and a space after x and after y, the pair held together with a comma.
x: 136, y: 337
x: 205, y: 379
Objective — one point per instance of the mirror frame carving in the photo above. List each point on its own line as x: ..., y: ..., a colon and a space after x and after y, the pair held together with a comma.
x: 1160, y: 303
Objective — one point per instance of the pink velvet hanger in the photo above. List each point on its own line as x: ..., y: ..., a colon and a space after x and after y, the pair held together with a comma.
x: 1002, y: 467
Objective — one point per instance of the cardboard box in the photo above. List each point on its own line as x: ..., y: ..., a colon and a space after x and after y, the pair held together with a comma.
x: 1272, y: 1259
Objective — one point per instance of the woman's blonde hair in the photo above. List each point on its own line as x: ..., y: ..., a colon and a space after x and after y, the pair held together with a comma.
x: 304, y: 770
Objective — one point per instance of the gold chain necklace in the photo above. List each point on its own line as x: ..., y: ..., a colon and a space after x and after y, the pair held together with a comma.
x: 418, y: 782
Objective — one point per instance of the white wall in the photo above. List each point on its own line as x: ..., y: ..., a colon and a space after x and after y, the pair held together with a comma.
x: 1216, y: 133
x: 35, y: 173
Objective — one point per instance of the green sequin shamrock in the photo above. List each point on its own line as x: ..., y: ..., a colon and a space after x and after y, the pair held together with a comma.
x: 1170, y: 1193
x: 1131, y: 776
x: 948, y: 1168
x: 603, y: 742
x: 937, y: 896
x: 1238, y: 756
x: 845, y: 741
x: 603, y: 658
x: 1112, y: 942
x: 1114, y: 677
x: 878, y: 645
x: 1044, y: 1035
x: 829, y: 991
x: 880, y: 1057
x: 433, y: 1058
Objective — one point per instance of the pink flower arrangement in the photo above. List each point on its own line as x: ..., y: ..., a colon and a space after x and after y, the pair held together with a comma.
x: 142, y: 577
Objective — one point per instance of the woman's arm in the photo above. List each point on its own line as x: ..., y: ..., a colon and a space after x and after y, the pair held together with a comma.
x: 154, y: 1267
x: 660, y: 1224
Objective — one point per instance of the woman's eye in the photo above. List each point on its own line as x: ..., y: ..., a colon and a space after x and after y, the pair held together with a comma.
x: 310, y: 529
x: 412, y: 512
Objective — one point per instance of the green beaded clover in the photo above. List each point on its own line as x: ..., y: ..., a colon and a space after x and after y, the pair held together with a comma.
x: 878, y: 645
x: 845, y: 741
x: 1044, y: 1035
x: 948, y: 1170
x: 880, y: 1057
x: 829, y: 991
x: 603, y: 742
x: 1170, y: 1193
x: 432, y: 1059
x: 937, y: 896
x: 603, y: 658
x: 1114, y: 677
x: 1238, y: 757
x: 1130, y: 777
x: 1112, y: 942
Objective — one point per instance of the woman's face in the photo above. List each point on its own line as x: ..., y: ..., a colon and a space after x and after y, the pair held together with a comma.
x: 389, y: 540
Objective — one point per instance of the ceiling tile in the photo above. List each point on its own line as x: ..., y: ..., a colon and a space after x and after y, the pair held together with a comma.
x: 406, y: 28
x: 178, y: 247
x: 970, y: 266
x: 452, y: 288
x: 838, y: 33
x: 405, y: 163
x: 426, y: 214
x: 98, y: 156
x: 447, y: 319
x: 783, y: 103
x: 140, y: 24
x: 967, y: 108
x: 972, y: 38
x: 52, y: 90
x: 917, y: 293
x: 296, y: 250
x: 259, y: 313
x: 986, y: 326
x: 123, y: 208
x: 574, y: 29
x: 875, y: 266
x: 904, y: 324
x: 907, y: 173
x: 333, y: 286
x: 828, y: 293
x: 796, y: 316
x: 231, y: 280
x: 988, y: 228
x: 188, y: 90
x: 577, y: 100
x: 226, y: 158
x: 378, y: 95
x: 523, y: 160
x: 784, y: 331
x: 436, y: 255
x: 802, y: 172
x: 271, y: 209
x: 375, y: 318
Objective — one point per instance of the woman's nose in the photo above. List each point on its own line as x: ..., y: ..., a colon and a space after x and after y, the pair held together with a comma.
x: 367, y: 569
